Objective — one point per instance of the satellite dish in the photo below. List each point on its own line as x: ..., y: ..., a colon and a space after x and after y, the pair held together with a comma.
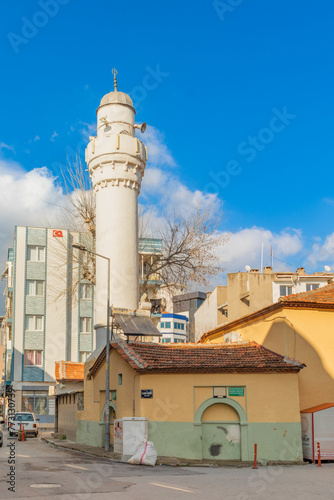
x: 327, y: 269
x: 248, y: 268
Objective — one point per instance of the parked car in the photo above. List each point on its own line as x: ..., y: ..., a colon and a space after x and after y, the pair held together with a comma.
x: 28, y: 420
x: 1, y: 434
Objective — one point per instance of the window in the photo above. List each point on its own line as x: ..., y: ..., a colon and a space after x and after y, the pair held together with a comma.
x: 34, y: 323
x: 219, y: 392
x: 84, y: 355
x: 85, y: 291
x: 285, y: 290
x: 22, y: 417
x: 167, y: 324
x: 36, y: 253
x: 35, y: 287
x: 119, y: 379
x: 85, y: 325
x: 32, y: 358
x: 310, y: 287
x: 162, y: 325
x: 113, y: 395
x: 167, y: 340
x: 182, y: 326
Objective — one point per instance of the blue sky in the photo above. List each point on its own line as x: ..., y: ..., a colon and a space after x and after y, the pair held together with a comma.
x: 238, y: 94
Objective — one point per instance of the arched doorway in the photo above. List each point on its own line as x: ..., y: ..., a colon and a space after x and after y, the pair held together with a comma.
x: 224, y: 429
x: 113, y: 416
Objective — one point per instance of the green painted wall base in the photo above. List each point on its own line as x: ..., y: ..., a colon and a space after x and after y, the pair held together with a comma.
x: 275, y: 441
x: 91, y: 433
x: 176, y: 439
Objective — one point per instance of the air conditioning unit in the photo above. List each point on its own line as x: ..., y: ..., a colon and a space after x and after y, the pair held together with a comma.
x: 232, y: 337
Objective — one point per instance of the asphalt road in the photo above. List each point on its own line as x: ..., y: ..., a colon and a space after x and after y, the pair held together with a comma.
x: 45, y: 472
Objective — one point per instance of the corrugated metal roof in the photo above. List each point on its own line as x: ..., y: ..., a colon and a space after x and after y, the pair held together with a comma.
x: 136, y: 325
x: 314, y: 409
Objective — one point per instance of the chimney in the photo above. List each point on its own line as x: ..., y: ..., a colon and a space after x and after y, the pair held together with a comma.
x: 300, y: 271
x: 254, y: 270
x: 267, y: 270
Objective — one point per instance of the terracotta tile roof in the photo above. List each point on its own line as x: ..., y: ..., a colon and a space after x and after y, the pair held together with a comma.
x: 321, y: 298
x: 322, y: 295
x: 244, y: 357
x: 69, y: 370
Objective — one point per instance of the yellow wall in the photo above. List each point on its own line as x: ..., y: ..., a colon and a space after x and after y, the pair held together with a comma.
x: 269, y: 397
x: 176, y: 397
x: 94, y: 389
x: 260, y: 289
x: 219, y: 413
x: 303, y: 334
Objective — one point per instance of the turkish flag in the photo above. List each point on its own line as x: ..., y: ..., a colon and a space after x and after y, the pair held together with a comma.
x: 57, y: 234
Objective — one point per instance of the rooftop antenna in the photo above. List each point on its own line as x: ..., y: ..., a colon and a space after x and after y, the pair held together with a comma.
x: 115, y: 72
x: 261, y: 259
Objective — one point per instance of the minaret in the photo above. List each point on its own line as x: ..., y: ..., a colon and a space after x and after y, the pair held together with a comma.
x: 116, y: 162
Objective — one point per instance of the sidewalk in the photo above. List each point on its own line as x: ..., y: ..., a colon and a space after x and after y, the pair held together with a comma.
x: 172, y: 461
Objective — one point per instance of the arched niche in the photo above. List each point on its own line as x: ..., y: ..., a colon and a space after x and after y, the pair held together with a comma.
x: 242, y: 419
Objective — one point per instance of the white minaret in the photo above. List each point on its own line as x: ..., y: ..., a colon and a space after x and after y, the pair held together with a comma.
x: 116, y: 161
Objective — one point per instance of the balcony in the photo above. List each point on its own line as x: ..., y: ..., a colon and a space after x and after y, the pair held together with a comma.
x: 150, y: 246
x: 151, y: 281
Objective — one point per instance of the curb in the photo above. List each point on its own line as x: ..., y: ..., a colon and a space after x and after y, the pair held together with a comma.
x: 170, y: 462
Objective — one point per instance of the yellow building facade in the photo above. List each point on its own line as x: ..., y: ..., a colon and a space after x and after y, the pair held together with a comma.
x: 207, y: 402
x: 300, y: 327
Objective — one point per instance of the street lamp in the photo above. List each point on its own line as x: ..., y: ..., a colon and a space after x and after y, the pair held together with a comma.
x: 79, y: 246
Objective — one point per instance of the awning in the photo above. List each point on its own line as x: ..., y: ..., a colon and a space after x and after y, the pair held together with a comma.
x: 136, y: 325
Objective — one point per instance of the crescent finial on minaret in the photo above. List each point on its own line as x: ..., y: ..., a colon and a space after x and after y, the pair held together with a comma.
x: 115, y: 72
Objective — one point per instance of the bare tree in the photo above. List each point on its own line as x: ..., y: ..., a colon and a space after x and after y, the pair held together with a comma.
x: 190, y: 242
x: 190, y: 245
x: 77, y: 214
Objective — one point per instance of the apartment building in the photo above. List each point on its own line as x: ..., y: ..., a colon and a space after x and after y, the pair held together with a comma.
x: 49, y: 315
x: 174, y: 328
x: 248, y: 292
x: 187, y: 304
x: 49, y: 310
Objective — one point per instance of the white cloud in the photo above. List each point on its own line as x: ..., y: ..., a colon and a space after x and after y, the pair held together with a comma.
x: 6, y: 146
x: 163, y: 188
x: 37, y: 138
x: 158, y: 151
x: 244, y: 248
x: 86, y: 130
x: 54, y: 135
x: 322, y: 252
x: 166, y: 191
x: 27, y: 198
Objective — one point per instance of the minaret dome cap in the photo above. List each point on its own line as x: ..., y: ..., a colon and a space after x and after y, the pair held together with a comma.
x: 117, y: 98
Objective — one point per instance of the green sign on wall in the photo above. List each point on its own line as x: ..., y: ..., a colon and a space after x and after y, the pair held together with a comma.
x: 236, y: 391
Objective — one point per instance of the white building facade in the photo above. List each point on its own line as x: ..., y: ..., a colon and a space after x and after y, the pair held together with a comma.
x: 49, y: 315
x: 174, y: 328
